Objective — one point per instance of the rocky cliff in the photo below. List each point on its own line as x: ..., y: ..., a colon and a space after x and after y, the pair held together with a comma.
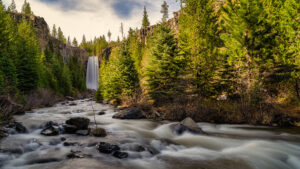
x: 44, y: 38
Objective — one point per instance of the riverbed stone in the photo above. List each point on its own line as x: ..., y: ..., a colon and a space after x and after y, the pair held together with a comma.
x: 51, y: 129
x: 188, y: 124
x: 130, y: 113
x: 107, y: 148
x: 70, y: 129
x: 120, y: 154
x: 101, y: 113
x: 81, y: 123
x: 99, y: 132
x: 18, y: 127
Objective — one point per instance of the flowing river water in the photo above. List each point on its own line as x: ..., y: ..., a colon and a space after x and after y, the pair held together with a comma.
x: 225, y: 146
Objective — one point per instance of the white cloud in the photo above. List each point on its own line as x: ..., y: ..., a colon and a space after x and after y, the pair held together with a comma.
x: 94, y: 17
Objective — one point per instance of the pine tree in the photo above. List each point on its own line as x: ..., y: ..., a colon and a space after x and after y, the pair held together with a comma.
x: 28, y: 52
x: 109, y: 35
x: 75, y: 43
x: 122, y: 30
x: 162, y: 73
x: 165, y: 11
x: 54, y: 31
x: 69, y: 40
x: 83, y: 42
x: 60, y: 35
x: 199, y: 39
x: 145, y: 22
x: 12, y: 7
x: 26, y: 9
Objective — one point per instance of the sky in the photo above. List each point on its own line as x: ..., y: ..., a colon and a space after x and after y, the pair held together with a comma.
x: 96, y: 17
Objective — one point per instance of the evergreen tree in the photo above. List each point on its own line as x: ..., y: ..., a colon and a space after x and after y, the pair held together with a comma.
x: 162, y: 73
x: 118, y: 76
x: 122, y: 30
x: 28, y: 52
x: 145, y: 22
x: 83, y: 42
x: 109, y: 35
x: 26, y: 9
x: 54, y: 31
x: 199, y: 39
x: 165, y: 11
x: 60, y: 35
x: 69, y: 40
x: 75, y: 43
x: 12, y: 7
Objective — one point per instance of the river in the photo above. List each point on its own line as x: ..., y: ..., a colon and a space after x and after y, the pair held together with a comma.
x: 225, y: 146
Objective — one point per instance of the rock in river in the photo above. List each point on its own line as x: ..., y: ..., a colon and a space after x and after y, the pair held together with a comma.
x: 81, y: 123
x: 70, y: 129
x: 99, y: 132
x: 188, y: 124
x: 130, y: 113
x: 119, y: 154
x: 107, y: 148
x: 18, y: 127
x: 51, y: 129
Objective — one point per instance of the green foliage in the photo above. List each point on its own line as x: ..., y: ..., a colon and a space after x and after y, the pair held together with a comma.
x: 27, y: 61
x: 54, y: 31
x: 75, y: 43
x: 162, y: 73
x: 199, y: 42
x: 145, y: 22
x: 118, y: 76
x: 26, y: 9
x: 60, y: 35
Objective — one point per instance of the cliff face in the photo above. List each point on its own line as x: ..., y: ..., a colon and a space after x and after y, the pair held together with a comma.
x: 44, y: 38
x: 172, y: 23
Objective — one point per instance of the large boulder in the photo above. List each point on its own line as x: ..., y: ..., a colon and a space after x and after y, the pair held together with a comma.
x: 188, y: 124
x: 107, y: 148
x: 70, y: 129
x: 81, y: 123
x: 51, y: 129
x: 130, y: 113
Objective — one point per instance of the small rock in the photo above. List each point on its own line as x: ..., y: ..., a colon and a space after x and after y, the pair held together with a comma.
x: 99, y: 132
x: 70, y: 129
x: 82, y: 132
x: 107, y: 148
x: 101, y: 113
x: 55, y: 141
x: 69, y: 98
x: 67, y: 144
x: 120, y: 155
x: 63, y: 139
x: 131, y: 113
x: 75, y: 154
x: 81, y: 123
x: 73, y: 104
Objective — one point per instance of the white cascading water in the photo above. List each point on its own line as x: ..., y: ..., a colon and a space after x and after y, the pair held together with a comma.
x: 92, y: 73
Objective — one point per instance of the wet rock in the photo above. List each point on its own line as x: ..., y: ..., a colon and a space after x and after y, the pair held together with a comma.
x: 131, y: 113
x: 81, y: 123
x: 65, y: 112
x: 152, y: 150
x: 51, y: 129
x: 107, y: 148
x: 42, y: 161
x: 70, y: 129
x: 188, y: 124
x: 70, y: 98
x: 82, y: 132
x: 120, y: 155
x: 101, y: 113
x: 75, y: 154
x: 18, y: 127
x: 68, y: 144
x: 99, y: 132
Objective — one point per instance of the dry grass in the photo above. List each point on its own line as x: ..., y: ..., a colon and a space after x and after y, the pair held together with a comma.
x: 41, y: 98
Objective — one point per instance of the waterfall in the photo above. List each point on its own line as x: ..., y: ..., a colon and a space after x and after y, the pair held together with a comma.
x: 92, y: 73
